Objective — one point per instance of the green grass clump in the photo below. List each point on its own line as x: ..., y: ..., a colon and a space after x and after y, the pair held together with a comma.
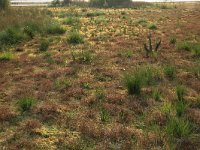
x: 100, y: 94
x: 180, y: 105
x: 44, y: 46
x: 75, y: 38
x: 25, y: 104
x: 156, y: 95
x: 104, y: 115
x: 185, y: 45
x: 133, y: 83
x: 196, y: 50
x: 6, y: 56
x: 143, y: 22
x: 144, y: 75
x: 152, y: 27
x: 178, y: 128
x: 55, y: 29
x: 172, y: 40
x: 169, y: 71
x: 94, y: 14
x: 85, y: 57
x: 72, y: 21
x: 12, y: 35
x: 180, y: 91
x: 62, y: 84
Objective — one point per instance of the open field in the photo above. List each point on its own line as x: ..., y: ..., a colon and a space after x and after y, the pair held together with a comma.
x: 85, y: 78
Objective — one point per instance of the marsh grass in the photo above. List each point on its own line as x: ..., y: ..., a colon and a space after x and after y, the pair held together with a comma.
x: 141, y: 76
x: 6, y: 56
x: 72, y: 21
x: 75, y: 37
x: 178, y: 128
x: 55, y: 28
x: 26, y: 103
x: 169, y: 71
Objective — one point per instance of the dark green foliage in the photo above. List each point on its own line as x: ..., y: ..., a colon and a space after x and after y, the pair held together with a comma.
x: 94, y: 14
x: 172, y: 40
x: 178, y: 128
x: 75, y: 38
x: 169, y: 71
x: 72, y: 21
x: 55, y: 29
x: 180, y: 107
x: 133, y: 83
x: 44, y: 45
x: 12, y: 35
x: 104, y: 115
x: 196, y: 50
x: 153, y: 27
x: 66, y: 2
x: 145, y: 75
x: 156, y: 95
x: 25, y: 104
x: 4, y: 4
x: 185, y: 45
x: 110, y: 3
x: 180, y: 90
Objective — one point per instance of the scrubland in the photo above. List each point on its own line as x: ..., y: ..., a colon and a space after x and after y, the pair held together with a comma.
x: 88, y: 78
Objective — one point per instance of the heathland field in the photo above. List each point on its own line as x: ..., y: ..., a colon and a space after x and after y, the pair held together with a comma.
x: 74, y: 78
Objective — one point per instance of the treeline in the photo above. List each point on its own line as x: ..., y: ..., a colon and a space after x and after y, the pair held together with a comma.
x: 95, y: 3
x: 4, y: 4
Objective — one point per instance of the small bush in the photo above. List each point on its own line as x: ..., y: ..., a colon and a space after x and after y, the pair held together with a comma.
x: 11, y: 35
x: 156, y: 95
x: 104, y: 115
x: 180, y: 91
x: 178, y: 128
x: 25, y: 104
x: 133, y: 83
x: 6, y: 56
x: 44, y: 45
x: 85, y: 57
x: 143, y: 22
x: 145, y: 75
x: 153, y: 27
x: 196, y: 50
x: 169, y: 71
x: 75, y: 38
x: 86, y: 85
x: 55, y: 29
x: 187, y: 46
x: 172, y: 40
x: 180, y: 107
x: 94, y: 14
x: 72, y: 21
x: 126, y: 53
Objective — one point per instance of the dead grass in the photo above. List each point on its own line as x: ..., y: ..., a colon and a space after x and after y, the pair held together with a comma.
x: 82, y: 102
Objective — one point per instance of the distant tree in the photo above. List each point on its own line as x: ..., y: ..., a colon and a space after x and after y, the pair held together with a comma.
x: 4, y: 4
x: 55, y: 3
x: 110, y: 3
x: 66, y: 2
